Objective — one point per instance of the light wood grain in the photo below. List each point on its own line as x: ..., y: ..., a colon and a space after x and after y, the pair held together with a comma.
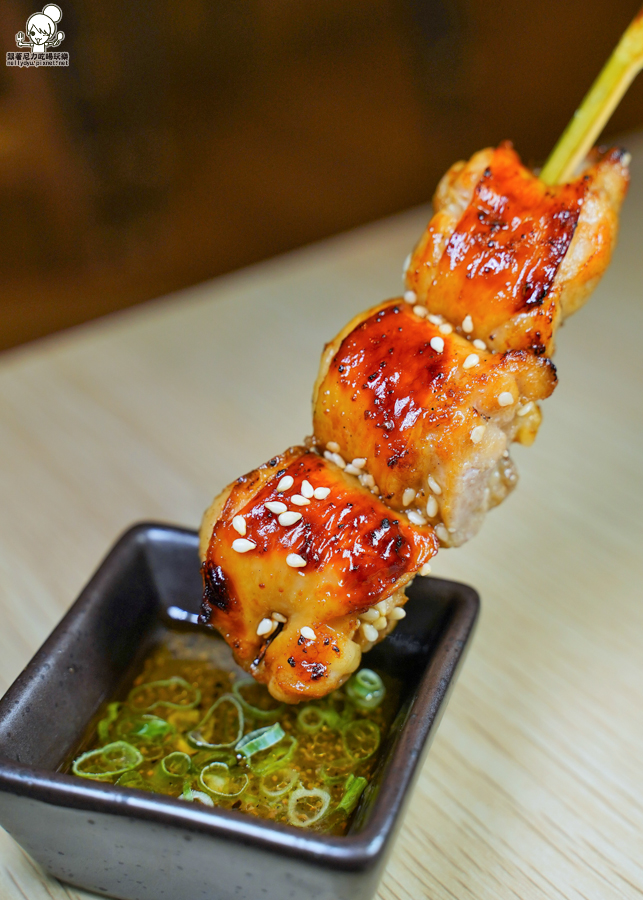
x: 533, y: 788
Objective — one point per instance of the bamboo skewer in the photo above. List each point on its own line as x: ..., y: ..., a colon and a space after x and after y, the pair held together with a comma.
x: 598, y: 105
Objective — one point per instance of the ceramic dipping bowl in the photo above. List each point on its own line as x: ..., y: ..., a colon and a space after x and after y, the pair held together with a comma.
x: 140, y: 846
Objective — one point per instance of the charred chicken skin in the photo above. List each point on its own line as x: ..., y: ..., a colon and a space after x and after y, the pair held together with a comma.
x: 427, y: 417
x: 505, y: 258
x: 304, y: 569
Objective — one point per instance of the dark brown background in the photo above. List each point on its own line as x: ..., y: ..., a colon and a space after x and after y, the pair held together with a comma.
x: 187, y: 139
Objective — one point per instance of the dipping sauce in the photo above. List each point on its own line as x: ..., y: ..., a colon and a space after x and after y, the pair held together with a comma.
x: 192, y: 725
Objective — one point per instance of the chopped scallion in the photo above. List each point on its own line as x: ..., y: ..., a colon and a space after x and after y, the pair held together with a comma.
x: 197, y: 738
x: 366, y: 689
x: 303, y: 811
x: 261, y: 739
x: 107, y: 762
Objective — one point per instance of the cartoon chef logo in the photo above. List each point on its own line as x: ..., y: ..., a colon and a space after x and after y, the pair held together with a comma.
x: 42, y: 33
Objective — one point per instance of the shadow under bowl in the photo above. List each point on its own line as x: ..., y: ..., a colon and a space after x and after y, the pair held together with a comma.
x: 133, y: 845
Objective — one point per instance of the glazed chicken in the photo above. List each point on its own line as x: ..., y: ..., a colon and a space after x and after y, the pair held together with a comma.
x: 305, y: 569
x: 505, y: 258
x: 424, y: 418
x: 417, y: 401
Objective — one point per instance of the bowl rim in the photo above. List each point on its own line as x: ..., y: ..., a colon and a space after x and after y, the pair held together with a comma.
x: 349, y: 852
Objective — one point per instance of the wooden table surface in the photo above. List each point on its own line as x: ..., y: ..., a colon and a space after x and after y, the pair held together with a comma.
x: 534, y: 785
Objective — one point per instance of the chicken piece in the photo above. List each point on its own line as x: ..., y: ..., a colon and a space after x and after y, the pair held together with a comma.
x: 418, y: 410
x: 293, y: 553
x: 506, y: 258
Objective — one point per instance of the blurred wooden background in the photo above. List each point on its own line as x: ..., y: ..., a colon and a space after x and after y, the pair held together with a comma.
x: 188, y: 139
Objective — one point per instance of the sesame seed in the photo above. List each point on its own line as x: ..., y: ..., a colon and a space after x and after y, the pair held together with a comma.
x: 279, y: 618
x: 437, y: 343
x: 308, y: 633
x: 435, y: 487
x: 239, y: 525
x: 426, y: 569
x: 472, y: 360
x: 527, y: 408
x: 367, y: 480
x: 350, y: 469
x: 289, y: 518
x: 479, y: 345
x: 321, y: 493
x: 298, y: 500
x: 506, y: 398
x: 416, y: 517
x: 371, y: 634
x: 333, y: 446
x: 420, y: 311
x: 335, y: 458
x: 286, y: 482
x: 375, y: 490
x: 380, y: 623
x: 307, y: 490
x: 442, y: 533
x: 407, y: 263
x: 242, y: 545
x: 408, y: 497
x: 410, y: 296
x: 295, y: 561
x: 477, y: 433
x: 265, y: 626
x: 397, y: 613
x: 371, y: 615
x: 445, y: 328
x: 359, y: 462
x: 382, y: 607
x: 431, y: 507
x: 276, y: 506
x: 435, y: 320
x: 467, y: 324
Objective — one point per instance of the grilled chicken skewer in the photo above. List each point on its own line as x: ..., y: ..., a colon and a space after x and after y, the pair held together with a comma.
x: 304, y: 565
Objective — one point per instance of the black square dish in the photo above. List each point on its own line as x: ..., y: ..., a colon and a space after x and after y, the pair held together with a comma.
x: 134, y: 845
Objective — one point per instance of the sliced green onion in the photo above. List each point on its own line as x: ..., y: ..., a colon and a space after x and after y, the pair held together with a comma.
x: 202, y: 757
x: 190, y: 796
x: 255, y: 711
x: 283, y: 753
x: 102, y: 728
x: 219, y: 779
x: 332, y: 718
x: 147, y: 727
x: 261, y: 739
x: 196, y: 737
x: 134, y: 779
x: 176, y: 764
x: 352, y: 792
x: 279, y: 782
x: 361, y: 739
x: 107, y: 762
x: 174, y: 692
x: 301, y: 818
x: 336, y: 770
x: 310, y: 719
x: 366, y: 689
